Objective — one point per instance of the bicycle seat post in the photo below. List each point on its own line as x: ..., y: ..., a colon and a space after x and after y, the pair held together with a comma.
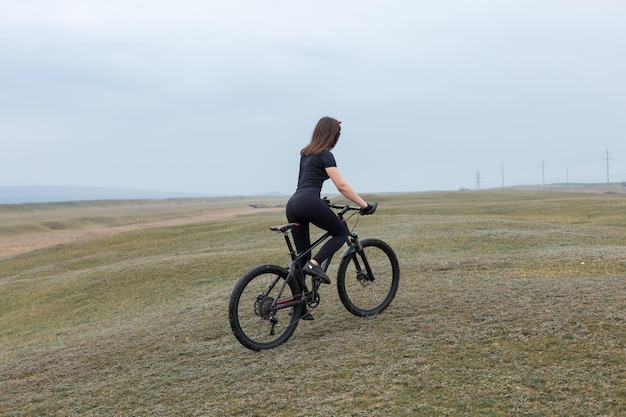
x: 292, y: 251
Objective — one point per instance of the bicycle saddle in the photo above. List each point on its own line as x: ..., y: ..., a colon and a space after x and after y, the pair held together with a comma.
x: 284, y: 228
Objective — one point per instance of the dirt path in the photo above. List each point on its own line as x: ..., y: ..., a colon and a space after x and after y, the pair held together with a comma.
x: 27, y: 243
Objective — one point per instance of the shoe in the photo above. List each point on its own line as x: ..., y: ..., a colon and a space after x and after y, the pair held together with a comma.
x: 315, y: 270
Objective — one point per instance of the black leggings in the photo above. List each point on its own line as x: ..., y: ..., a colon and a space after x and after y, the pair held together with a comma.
x: 305, y: 207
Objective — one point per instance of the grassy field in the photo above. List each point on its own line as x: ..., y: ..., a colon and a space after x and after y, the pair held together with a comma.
x: 511, y: 303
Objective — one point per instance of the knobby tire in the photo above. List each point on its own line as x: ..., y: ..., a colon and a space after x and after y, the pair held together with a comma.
x: 249, y: 316
x: 361, y: 294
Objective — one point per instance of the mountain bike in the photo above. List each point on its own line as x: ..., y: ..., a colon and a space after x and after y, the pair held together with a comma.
x: 268, y: 301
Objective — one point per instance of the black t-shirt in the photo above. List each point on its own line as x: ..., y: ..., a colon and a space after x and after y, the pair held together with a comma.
x: 313, y: 170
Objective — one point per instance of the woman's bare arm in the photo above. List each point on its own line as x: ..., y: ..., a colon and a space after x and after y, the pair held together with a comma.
x: 344, y: 188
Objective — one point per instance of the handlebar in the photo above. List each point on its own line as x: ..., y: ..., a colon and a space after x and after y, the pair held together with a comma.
x: 343, y: 208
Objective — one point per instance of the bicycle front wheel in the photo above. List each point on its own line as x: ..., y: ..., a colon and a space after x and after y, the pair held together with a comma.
x: 367, y: 281
x: 261, y: 315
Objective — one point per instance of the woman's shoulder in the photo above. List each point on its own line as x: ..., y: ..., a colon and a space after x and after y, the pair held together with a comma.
x: 328, y: 158
x: 323, y: 154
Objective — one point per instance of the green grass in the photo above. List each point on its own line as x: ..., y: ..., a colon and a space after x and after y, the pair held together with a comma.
x: 511, y: 303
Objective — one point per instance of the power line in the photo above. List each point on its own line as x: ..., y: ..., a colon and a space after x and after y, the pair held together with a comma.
x: 608, y: 164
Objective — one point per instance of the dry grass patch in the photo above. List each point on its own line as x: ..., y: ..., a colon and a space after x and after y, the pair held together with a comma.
x: 500, y: 311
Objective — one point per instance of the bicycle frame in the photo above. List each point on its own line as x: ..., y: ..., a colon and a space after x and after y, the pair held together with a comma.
x: 310, y: 296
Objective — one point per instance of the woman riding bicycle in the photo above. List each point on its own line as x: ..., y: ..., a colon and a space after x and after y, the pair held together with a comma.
x: 317, y: 164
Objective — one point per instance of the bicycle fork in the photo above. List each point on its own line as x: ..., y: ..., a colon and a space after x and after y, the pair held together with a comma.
x: 364, y: 276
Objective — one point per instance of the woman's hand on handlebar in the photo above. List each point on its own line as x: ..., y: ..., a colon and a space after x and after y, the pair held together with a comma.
x: 370, y: 209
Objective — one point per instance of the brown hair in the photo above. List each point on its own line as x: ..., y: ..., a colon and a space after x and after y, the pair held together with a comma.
x: 325, y: 137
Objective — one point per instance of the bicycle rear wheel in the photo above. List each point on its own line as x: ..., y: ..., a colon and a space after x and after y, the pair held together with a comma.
x: 253, y: 320
x: 366, y: 292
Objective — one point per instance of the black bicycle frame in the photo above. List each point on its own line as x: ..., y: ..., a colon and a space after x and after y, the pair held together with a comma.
x: 294, y: 265
x: 354, y: 245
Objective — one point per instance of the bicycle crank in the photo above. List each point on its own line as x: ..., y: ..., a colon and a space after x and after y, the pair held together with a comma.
x: 313, y: 299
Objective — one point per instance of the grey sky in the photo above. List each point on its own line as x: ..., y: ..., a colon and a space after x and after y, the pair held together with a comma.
x: 220, y: 96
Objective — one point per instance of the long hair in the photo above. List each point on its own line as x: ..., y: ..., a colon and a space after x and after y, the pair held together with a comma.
x: 325, y: 137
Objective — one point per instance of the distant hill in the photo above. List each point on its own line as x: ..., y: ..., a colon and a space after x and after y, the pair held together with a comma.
x: 52, y: 194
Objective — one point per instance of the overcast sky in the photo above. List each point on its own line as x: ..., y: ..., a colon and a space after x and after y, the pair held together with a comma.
x: 220, y: 96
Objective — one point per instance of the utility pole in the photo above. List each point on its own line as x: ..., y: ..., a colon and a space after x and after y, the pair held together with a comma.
x: 478, y: 180
x: 502, y: 170
x: 608, y: 164
x: 543, y: 172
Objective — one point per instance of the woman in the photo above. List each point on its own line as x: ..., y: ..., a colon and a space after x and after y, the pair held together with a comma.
x: 317, y: 164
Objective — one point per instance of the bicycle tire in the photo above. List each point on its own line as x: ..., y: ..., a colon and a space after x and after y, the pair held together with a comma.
x: 361, y: 294
x: 248, y: 309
